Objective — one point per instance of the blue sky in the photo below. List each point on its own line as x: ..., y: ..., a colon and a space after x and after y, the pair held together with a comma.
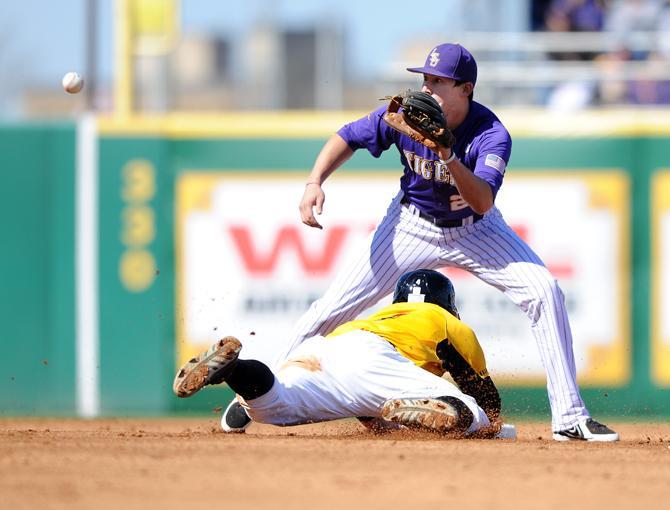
x: 40, y: 40
x: 47, y: 37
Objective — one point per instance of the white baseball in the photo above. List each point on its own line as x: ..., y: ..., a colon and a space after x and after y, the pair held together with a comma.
x: 73, y: 83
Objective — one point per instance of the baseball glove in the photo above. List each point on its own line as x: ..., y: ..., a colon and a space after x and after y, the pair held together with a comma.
x: 421, y: 118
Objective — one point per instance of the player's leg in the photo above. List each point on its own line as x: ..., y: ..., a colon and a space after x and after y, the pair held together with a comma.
x: 494, y: 253
x: 387, y: 384
x: 400, y: 243
x: 356, y: 374
x: 262, y: 395
x: 307, y: 388
x: 220, y: 363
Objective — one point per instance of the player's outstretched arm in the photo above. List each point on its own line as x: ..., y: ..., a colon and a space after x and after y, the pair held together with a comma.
x: 333, y: 155
x: 482, y: 389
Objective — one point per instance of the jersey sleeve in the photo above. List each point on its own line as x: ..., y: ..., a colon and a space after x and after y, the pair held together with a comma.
x: 482, y: 389
x: 463, y: 358
x: 493, y: 156
x: 369, y: 132
x: 463, y: 339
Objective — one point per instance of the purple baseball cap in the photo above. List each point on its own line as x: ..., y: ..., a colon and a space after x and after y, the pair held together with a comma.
x: 449, y: 61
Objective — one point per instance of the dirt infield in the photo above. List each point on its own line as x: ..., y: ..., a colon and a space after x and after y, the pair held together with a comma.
x: 187, y: 463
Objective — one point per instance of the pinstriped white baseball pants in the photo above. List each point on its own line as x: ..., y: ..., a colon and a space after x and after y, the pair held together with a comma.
x: 490, y: 250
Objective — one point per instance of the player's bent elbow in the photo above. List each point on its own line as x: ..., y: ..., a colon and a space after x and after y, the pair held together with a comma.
x: 481, y: 201
x: 482, y: 207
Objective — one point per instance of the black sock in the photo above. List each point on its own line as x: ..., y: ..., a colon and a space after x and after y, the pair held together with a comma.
x: 250, y: 378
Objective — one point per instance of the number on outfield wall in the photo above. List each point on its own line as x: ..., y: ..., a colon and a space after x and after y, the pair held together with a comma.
x: 139, y: 182
x: 137, y: 265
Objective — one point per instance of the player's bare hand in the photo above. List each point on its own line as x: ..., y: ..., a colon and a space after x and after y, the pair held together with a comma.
x: 312, y: 201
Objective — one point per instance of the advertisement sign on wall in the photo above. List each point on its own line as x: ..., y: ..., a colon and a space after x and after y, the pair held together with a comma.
x: 247, y: 266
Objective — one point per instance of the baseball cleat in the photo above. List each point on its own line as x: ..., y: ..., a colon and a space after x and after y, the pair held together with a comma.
x: 379, y: 425
x: 422, y: 413
x: 235, y: 418
x: 208, y: 367
x: 587, y: 430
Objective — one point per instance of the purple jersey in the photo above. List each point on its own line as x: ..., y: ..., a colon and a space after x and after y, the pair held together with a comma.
x: 482, y: 144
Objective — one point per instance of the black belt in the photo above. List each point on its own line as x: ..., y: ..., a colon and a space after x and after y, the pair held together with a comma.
x: 442, y: 222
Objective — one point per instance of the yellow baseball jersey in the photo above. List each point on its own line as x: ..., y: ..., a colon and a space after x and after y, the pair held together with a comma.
x: 415, y: 329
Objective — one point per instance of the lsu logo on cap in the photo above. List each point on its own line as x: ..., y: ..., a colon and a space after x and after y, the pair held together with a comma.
x: 495, y: 162
x: 434, y: 58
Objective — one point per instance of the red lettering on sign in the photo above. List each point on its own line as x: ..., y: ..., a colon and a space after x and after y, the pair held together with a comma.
x: 288, y: 239
x: 557, y: 268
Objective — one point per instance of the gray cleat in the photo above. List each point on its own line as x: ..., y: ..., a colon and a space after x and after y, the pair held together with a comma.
x: 208, y: 367
x: 422, y: 413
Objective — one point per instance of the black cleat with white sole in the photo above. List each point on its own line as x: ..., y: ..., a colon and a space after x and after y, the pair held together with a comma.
x: 587, y: 430
x: 235, y: 419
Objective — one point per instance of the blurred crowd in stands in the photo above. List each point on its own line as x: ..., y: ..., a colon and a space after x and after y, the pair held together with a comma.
x: 627, y: 74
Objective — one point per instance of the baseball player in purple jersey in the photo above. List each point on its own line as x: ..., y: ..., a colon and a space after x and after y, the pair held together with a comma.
x: 444, y: 216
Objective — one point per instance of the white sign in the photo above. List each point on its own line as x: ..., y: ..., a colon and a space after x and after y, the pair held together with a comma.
x: 247, y: 264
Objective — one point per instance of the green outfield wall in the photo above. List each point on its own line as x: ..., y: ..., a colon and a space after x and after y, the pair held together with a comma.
x: 139, y: 166
x: 37, y: 300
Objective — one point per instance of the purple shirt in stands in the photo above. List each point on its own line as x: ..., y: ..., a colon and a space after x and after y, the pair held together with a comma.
x: 482, y: 144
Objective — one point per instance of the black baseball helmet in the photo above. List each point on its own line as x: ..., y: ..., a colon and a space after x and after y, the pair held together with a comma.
x: 427, y: 286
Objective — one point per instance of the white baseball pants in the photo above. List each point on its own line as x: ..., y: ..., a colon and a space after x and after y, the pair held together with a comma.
x: 346, y: 376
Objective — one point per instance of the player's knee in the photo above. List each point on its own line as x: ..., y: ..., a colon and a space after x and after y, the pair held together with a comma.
x: 541, y: 282
x: 544, y: 291
x: 465, y: 416
x: 551, y: 294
